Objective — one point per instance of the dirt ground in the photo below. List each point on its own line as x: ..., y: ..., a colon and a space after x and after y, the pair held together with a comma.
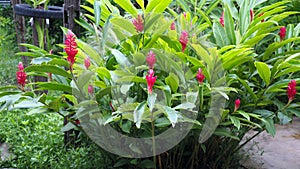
x: 279, y: 152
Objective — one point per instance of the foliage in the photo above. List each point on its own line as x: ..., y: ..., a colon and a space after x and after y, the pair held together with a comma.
x: 37, y: 142
x: 8, y: 47
x: 243, y: 59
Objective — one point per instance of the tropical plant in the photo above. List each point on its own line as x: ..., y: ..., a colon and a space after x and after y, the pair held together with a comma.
x: 153, y: 70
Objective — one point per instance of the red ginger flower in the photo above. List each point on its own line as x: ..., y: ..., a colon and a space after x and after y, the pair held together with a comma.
x: 138, y: 23
x: 172, y: 26
x: 251, y: 15
x: 282, y: 33
x: 150, y: 80
x: 291, y: 90
x: 222, y: 19
x: 200, y: 76
x: 150, y: 59
x: 71, y: 47
x: 184, y: 39
x: 21, y: 75
x: 87, y: 62
x: 237, y: 104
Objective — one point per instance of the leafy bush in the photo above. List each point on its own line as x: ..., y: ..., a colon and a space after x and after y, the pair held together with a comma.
x: 205, y: 76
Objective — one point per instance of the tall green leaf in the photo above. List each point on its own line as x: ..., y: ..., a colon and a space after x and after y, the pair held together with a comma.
x: 263, y: 71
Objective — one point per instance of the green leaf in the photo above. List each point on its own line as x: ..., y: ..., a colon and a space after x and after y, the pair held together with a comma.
x: 173, y: 81
x: 67, y: 127
x: 269, y: 122
x: 127, y: 6
x: 225, y: 132
x: 229, y: 26
x: 84, y: 78
x: 172, y: 115
x: 138, y: 113
x: 157, y: 6
x: 48, y: 69
x: 263, y: 71
x: 54, y: 86
x: 151, y: 101
x: 124, y: 24
x: 147, y: 164
x: 276, y: 45
x: 235, y: 121
x: 121, y: 58
x: 97, y: 11
x: 284, y: 119
x: 141, y: 4
x: 219, y: 34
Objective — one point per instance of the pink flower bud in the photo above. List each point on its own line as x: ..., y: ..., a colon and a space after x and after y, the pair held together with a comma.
x: 200, y: 76
x: 87, y: 62
x: 184, y: 39
x: 150, y: 59
x: 90, y: 89
x: 237, y: 104
x: 172, y: 26
x: 222, y: 19
x: 282, y: 33
x: 20, y: 66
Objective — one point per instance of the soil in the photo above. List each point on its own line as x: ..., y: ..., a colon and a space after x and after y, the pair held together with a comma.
x: 279, y: 152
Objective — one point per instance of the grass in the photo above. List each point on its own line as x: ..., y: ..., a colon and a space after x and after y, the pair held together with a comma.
x: 37, y: 142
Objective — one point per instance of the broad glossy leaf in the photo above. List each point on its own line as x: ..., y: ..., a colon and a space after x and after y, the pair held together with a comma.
x: 127, y: 6
x: 263, y: 71
x: 48, y: 69
x: 138, y: 113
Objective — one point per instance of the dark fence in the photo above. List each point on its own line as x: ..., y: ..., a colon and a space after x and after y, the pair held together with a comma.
x: 4, y: 2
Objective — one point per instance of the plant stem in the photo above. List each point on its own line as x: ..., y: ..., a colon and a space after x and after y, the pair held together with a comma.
x: 153, y: 139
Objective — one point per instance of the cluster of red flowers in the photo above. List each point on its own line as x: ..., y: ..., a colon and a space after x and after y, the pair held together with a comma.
x: 71, y: 47
x: 150, y: 78
x: 291, y: 90
x: 138, y: 23
x: 21, y: 75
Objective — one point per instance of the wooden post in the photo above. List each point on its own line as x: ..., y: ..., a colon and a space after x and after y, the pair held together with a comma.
x: 71, y: 12
x: 20, y: 32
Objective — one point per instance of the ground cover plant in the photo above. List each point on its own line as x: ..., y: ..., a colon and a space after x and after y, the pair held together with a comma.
x: 209, y: 70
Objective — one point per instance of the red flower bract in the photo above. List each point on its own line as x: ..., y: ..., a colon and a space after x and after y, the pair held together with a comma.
x: 150, y: 80
x: 20, y: 66
x: 21, y: 78
x: 222, y: 19
x: 184, y: 39
x: 251, y: 15
x: 71, y: 47
x: 200, y: 76
x: 150, y: 59
x: 291, y: 90
x: 87, y: 62
x: 282, y: 33
x: 21, y: 75
x: 237, y: 104
x: 138, y: 23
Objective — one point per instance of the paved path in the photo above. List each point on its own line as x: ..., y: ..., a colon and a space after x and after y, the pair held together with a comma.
x: 279, y: 152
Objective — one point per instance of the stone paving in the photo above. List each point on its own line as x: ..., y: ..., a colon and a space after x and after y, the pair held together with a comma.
x: 279, y: 152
